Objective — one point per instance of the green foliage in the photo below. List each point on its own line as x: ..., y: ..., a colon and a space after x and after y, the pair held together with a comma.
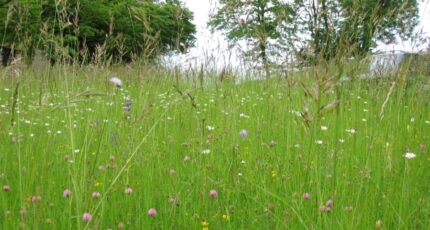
x: 20, y: 29
x: 352, y: 28
x: 322, y: 29
x: 83, y: 29
x: 258, y: 23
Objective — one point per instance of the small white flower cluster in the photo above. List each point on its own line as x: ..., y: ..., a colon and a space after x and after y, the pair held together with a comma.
x: 410, y: 155
x: 206, y: 151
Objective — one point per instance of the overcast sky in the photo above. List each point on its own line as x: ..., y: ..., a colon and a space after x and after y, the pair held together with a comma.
x: 213, y: 48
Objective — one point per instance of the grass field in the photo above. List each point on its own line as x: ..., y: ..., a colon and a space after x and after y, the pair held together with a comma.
x: 77, y: 152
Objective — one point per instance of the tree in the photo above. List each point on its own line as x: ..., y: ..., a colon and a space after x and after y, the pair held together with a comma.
x: 20, y: 29
x: 352, y: 28
x: 124, y: 28
x: 259, y: 23
x: 76, y: 30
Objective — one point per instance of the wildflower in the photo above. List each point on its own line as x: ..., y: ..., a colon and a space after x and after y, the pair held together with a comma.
x: 174, y: 200
x: 127, y: 104
x: 210, y: 128
x: 35, y: 198
x: 172, y: 171
x: 67, y: 193
x: 128, y: 190
x: 306, y: 196
x: 22, y: 212
x: 324, y: 128
x: 152, y: 212
x: 226, y: 217
x: 351, y: 131
x: 187, y: 158
x: 378, y: 224
x: 6, y: 188
x: 205, y: 225
x: 410, y: 155
x: 329, y: 203
x: 87, y: 217
x: 242, y: 115
x: 240, y: 174
x: 213, y: 193
x: 319, y: 142
x: 274, y: 174
x: 341, y: 140
x: 272, y: 143
x: 116, y: 81
x: 348, y: 209
x: 95, y: 195
x: 206, y: 151
x: 243, y: 133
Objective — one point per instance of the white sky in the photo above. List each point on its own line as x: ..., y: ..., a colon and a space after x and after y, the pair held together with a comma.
x: 212, y: 49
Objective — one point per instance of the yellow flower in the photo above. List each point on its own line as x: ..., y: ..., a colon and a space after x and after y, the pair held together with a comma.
x: 378, y: 224
x: 205, y: 225
x: 274, y: 174
x: 97, y: 184
x: 226, y: 217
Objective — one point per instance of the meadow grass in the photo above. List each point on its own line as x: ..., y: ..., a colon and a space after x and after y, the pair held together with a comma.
x: 268, y: 166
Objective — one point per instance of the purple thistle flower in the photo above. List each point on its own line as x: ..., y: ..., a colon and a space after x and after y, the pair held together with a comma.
x: 243, y: 133
x: 116, y: 81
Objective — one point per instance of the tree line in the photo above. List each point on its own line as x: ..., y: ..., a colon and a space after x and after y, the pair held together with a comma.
x: 84, y: 30
x: 272, y: 30
x: 312, y: 30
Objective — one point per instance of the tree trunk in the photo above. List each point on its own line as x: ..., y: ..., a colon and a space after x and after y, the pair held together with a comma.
x: 263, y: 55
x: 5, y: 55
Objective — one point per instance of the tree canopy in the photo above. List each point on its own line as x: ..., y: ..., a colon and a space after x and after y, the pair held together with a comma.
x: 258, y: 23
x: 315, y: 29
x: 352, y: 28
x: 82, y: 29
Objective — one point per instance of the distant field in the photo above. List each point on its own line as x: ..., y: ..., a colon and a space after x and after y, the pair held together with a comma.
x: 307, y: 152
